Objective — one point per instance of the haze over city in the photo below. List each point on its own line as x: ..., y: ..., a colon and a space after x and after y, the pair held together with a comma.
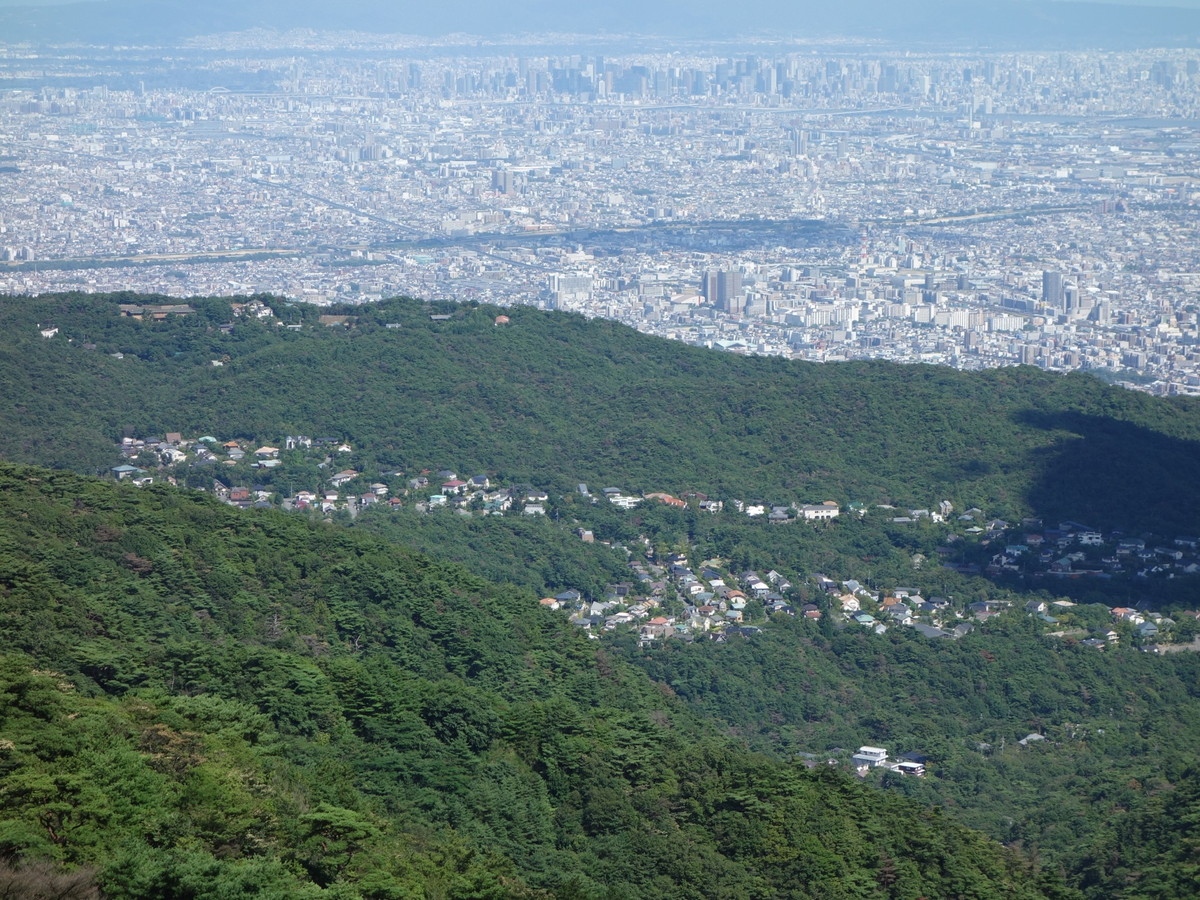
x: 1031, y: 23
x: 823, y: 193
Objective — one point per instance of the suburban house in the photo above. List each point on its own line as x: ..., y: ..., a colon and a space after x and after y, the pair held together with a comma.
x: 827, y: 510
x: 154, y: 311
x: 869, y: 757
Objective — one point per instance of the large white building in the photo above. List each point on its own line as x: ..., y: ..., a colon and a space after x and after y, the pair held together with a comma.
x: 827, y: 510
x: 869, y: 757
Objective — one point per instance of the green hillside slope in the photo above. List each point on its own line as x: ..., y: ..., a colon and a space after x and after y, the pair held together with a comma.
x: 1154, y: 852
x: 553, y: 399
x: 1112, y: 728
x: 206, y: 703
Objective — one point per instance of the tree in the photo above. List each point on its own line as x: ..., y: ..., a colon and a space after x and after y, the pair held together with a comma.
x: 330, y: 840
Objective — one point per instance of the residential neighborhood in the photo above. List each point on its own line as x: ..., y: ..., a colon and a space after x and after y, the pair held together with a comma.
x: 683, y: 596
x: 677, y: 597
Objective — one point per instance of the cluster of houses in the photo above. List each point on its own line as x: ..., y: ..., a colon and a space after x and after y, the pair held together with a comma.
x: 868, y: 758
x: 941, y: 514
x: 169, y: 450
x: 154, y: 311
x: 173, y: 449
x: 476, y: 492
x: 912, y: 763
x: 938, y: 617
x: 618, y: 497
x: 935, y: 617
x: 708, y: 601
x: 164, y: 458
x: 1073, y: 550
x: 1147, y: 626
x: 812, y: 512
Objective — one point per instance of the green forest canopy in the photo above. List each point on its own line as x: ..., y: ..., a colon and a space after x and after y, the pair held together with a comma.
x: 366, y: 696
x: 203, y: 702
x: 554, y: 399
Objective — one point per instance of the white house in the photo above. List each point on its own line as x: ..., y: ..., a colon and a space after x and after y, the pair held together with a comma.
x: 869, y: 757
x: 826, y: 510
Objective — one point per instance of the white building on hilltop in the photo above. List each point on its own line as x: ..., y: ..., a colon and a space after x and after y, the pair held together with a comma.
x: 869, y: 757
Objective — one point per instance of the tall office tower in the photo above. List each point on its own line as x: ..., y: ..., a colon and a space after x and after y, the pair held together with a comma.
x: 798, y: 140
x: 503, y: 182
x: 729, y: 290
x: 1052, y: 288
x: 723, y: 289
x: 1070, y: 301
x: 756, y: 304
x: 571, y: 287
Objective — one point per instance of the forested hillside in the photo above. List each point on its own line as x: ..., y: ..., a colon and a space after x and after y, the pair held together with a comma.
x: 1112, y: 729
x: 553, y: 399
x: 208, y: 703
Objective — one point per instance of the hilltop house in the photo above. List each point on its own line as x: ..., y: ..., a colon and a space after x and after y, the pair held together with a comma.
x: 827, y: 510
x: 869, y: 757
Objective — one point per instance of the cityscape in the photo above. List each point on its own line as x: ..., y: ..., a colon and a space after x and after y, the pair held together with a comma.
x: 422, y: 478
x: 821, y: 202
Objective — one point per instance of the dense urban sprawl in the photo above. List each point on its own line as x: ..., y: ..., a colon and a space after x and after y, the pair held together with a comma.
x: 822, y: 203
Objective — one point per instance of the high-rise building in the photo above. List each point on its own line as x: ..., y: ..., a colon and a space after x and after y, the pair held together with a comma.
x: 1070, y: 300
x: 723, y: 289
x: 503, y: 182
x: 729, y: 288
x: 570, y: 287
x: 1052, y: 288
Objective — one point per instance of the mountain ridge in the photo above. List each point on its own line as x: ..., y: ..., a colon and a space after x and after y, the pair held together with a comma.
x: 482, y: 729
x: 553, y: 399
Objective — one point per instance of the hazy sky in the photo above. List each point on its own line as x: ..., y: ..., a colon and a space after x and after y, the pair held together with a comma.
x: 992, y: 22
x: 1190, y: 4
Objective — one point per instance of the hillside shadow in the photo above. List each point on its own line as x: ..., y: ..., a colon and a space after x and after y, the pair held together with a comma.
x: 1114, y: 474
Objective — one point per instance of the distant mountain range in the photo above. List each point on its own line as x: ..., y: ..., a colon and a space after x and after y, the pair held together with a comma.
x: 1006, y: 23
